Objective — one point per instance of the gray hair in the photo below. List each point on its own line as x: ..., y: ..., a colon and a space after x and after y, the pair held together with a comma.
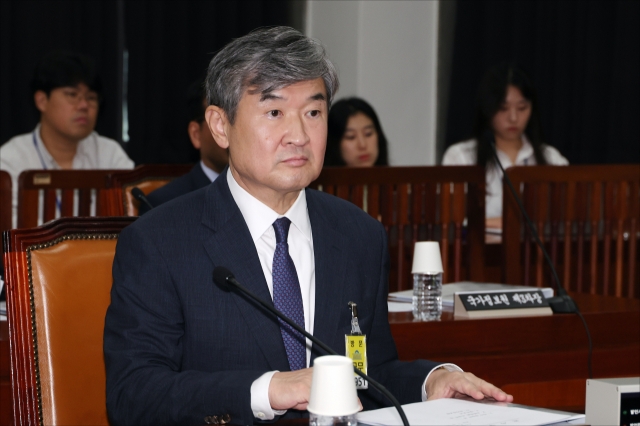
x: 265, y: 60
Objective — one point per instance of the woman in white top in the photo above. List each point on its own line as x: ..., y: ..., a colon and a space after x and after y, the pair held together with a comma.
x: 507, y: 108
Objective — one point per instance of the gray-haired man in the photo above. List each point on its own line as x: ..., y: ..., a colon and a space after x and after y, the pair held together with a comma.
x: 180, y: 350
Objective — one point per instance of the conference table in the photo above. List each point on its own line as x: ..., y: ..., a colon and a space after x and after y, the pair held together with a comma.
x: 541, y: 360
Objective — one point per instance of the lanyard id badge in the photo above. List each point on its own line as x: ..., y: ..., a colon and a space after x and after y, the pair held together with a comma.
x: 356, y: 347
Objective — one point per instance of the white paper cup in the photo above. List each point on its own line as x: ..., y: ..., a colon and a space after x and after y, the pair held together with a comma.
x: 333, y: 387
x: 426, y: 258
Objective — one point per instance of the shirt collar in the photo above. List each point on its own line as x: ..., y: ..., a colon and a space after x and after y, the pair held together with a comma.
x: 49, y: 162
x: 525, y: 153
x: 259, y: 217
x: 210, y: 173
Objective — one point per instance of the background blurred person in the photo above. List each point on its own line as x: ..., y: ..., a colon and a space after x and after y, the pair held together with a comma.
x: 66, y: 91
x: 213, y: 159
x: 508, y: 109
x: 355, y: 137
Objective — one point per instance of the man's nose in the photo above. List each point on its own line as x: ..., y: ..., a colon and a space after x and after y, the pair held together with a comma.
x: 83, y: 103
x: 297, y: 132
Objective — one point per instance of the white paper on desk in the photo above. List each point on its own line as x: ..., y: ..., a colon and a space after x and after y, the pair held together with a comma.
x: 400, y: 306
x: 448, y: 411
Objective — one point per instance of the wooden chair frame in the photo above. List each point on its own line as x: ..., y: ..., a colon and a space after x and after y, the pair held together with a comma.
x: 149, y: 177
x: 18, y: 245
x: 589, y: 218
x: 31, y: 182
x: 413, y: 205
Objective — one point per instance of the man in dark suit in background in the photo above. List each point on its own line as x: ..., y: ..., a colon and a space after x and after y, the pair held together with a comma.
x: 213, y: 159
x: 180, y: 350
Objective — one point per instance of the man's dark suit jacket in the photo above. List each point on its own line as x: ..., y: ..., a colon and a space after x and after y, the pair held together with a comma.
x: 193, y: 180
x: 178, y: 348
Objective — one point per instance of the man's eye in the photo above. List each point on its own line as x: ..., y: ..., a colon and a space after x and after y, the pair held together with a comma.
x: 314, y: 113
x: 274, y: 113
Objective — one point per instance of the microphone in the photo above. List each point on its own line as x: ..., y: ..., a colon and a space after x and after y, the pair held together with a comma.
x: 225, y: 279
x: 139, y: 195
x: 562, y: 303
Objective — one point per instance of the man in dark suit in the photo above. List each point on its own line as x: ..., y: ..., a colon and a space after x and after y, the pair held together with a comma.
x: 180, y: 350
x: 213, y: 159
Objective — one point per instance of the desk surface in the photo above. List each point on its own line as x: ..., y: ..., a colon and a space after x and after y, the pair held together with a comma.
x: 531, y: 353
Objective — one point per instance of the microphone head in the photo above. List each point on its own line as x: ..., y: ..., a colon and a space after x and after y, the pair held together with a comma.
x: 137, y: 193
x: 221, y: 275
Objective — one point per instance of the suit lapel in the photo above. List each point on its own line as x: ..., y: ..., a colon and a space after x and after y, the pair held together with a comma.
x: 230, y: 245
x: 330, y: 265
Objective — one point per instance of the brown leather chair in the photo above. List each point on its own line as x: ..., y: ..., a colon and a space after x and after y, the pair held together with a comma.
x: 588, y: 217
x: 58, y: 284
x: 88, y: 184
x: 419, y: 204
x: 147, y: 177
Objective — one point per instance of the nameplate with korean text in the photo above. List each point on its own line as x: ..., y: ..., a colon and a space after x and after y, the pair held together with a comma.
x: 500, y: 303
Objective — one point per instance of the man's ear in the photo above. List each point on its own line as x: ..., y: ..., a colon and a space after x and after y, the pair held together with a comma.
x: 194, y: 134
x: 217, y: 121
x: 41, y: 100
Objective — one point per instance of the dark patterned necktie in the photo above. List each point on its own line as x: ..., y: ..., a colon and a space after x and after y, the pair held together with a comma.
x: 287, y: 297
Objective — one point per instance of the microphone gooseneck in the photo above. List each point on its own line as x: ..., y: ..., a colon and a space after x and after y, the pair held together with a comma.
x: 563, y: 303
x: 139, y: 195
x: 225, y: 279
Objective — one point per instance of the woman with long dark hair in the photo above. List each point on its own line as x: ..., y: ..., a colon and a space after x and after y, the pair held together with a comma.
x: 355, y: 137
x: 507, y: 112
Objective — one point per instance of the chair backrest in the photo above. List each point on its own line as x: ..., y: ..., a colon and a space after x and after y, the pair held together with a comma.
x: 588, y: 218
x: 58, y: 284
x: 147, y: 177
x: 44, y: 195
x: 5, y: 201
x: 420, y: 204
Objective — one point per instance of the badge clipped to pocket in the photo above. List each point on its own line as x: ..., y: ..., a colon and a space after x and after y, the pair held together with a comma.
x: 356, y: 347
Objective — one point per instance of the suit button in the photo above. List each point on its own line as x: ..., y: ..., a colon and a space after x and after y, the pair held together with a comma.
x: 211, y: 420
x: 225, y: 419
x: 207, y: 420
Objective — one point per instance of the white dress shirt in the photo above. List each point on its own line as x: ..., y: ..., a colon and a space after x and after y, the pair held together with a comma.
x: 20, y: 153
x: 259, y: 219
x: 465, y: 154
x: 210, y: 173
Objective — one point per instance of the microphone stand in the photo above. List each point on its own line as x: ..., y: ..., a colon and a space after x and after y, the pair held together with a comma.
x: 562, y: 303
x: 223, y: 277
x: 139, y: 195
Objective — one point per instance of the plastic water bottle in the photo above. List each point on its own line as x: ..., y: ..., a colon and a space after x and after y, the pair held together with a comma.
x: 427, y: 297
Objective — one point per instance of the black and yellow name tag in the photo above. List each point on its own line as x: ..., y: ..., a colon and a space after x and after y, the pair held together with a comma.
x: 357, y: 350
x: 356, y: 347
